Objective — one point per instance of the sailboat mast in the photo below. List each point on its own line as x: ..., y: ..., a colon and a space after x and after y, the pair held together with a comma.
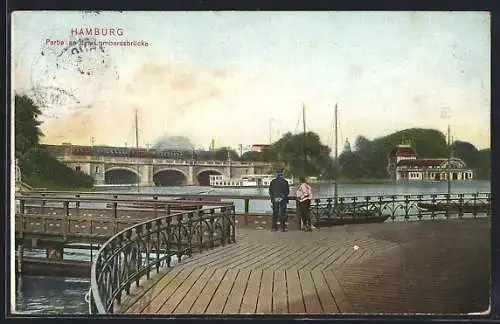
x: 137, y: 146
x: 448, y: 175
x: 136, y: 130
x: 304, y: 137
x: 336, y: 154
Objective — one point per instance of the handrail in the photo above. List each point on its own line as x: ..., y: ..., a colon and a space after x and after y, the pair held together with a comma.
x: 136, y: 251
x: 399, y: 207
x: 252, y: 197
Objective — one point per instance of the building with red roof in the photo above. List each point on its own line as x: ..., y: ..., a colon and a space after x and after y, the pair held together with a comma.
x: 404, y: 164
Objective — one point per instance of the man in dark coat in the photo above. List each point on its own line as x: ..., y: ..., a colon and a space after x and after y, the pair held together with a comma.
x: 278, y: 191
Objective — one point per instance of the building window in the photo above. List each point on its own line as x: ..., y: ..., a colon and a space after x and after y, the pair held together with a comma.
x: 96, y: 169
x: 78, y: 168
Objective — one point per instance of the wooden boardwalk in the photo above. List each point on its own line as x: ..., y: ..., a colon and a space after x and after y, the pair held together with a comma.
x: 424, y: 267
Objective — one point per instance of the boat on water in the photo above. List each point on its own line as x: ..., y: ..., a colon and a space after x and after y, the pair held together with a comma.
x: 478, y: 207
x: 245, y: 181
x: 329, y: 215
x: 117, y: 185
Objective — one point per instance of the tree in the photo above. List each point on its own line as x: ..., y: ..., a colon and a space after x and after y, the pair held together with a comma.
x: 362, y: 144
x: 222, y: 154
x: 27, y: 126
x: 38, y: 167
x: 301, y: 154
x: 252, y: 156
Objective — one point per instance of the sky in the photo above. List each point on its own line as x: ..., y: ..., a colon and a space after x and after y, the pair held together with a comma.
x: 243, y: 77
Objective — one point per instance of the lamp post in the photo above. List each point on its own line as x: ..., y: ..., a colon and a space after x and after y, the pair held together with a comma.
x: 446, y: 114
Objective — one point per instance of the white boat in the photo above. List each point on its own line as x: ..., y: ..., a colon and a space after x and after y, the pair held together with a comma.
x: 246, y: 181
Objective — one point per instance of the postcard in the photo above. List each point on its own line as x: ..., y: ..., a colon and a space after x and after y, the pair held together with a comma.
x: 238, y: 162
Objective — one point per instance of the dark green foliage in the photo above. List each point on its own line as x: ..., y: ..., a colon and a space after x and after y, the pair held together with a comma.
x: 369, y: 160
x: 252, y: 156
x: 221, y: 154
x: 27, y: 127
x: 301, y: 154
x: 38, y: 167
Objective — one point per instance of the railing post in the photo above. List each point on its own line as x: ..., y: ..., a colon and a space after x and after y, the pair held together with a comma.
x: 190, y: 233
x: 148, y: 244
x: 222, y: 218
x: 67, y: 224
x: 169, y: 240
x: 407, y: 206
x: 211, y: 229
x: 419, y: 210
x: 233, y: 224
x: 460, y: 205
x: 42, y: 207
x: 115, y: 215
x: 22, y: 206
x: 200, y: 228
x: 247, y: 210
x: 155, y: 206
x: 179, y: 237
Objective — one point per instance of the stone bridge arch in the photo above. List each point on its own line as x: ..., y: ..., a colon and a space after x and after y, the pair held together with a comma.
x: 202, y: 176
x: 121, y: 175
x: 170, y: 176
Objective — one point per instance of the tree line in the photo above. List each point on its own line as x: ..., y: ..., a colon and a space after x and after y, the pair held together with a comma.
x: 38, y: 167
x: 304, y: 154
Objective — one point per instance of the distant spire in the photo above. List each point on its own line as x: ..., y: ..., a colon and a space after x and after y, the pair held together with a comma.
x: 347, y: 146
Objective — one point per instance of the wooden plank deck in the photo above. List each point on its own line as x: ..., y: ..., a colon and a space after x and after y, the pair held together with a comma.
x: 431, y: 266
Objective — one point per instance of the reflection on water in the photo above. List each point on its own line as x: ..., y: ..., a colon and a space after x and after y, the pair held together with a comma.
x: 49, y: 295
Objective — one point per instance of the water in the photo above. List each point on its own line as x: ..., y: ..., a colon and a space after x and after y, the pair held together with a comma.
x: 51, y: 295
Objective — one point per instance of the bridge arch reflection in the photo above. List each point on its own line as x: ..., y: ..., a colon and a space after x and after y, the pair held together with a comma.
x: 121, y: 175
x: 203, y: 176
x: 170, y: 177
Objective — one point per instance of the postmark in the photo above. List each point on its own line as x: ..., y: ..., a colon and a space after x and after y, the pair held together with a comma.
x: 72, y: 73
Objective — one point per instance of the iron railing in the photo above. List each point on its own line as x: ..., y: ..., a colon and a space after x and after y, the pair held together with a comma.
x: 359, y: 209
x: 140, y: 249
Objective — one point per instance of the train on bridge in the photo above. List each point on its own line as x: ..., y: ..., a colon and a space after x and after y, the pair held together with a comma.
x: 100, y: 150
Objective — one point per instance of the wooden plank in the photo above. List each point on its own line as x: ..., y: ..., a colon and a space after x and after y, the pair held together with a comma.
x: 311, y: 300
x: 338, y: 292
x: 250, y: 297
x: 330, y: 262
x: 144, y: 295
x: 172, y: 302
x: 280, y: 303
x: 218, y: 301
x: 235, y: 296
x: 201, y: 303
x: 250, y: 254
x: 243, y: 250
x: 187, y: 302
x: 156, y: 303
x: 310, y: 260
x: 294, y: 292
x: 291, y: 260
x: 324, y: 294
x: 265, y: 301
x: 272, y: 254
x: 277, y: 261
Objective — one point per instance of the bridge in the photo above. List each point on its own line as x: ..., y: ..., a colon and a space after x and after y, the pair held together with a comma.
x: 147, y: 167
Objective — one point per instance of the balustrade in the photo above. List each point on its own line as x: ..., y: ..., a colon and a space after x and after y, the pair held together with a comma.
x: 145, y: 247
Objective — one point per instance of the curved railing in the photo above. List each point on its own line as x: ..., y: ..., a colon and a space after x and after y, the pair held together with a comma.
x: 361, y: 209
x: 140, y: 249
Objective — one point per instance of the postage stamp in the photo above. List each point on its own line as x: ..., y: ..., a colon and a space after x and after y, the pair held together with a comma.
x: 83, y: 61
